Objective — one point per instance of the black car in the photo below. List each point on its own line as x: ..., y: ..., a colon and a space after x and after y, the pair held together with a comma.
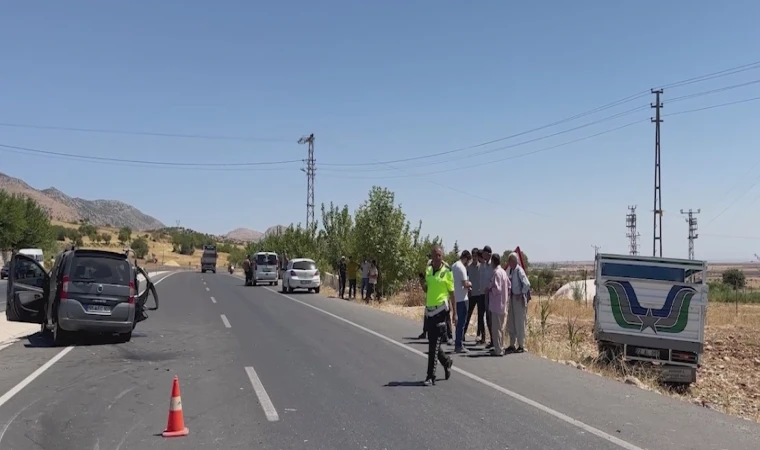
x: 4, y: 271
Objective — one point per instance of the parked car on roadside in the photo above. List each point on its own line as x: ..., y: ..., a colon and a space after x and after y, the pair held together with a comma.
x: 86, y: 291
x: 4, y: 271
x: 301, y: 273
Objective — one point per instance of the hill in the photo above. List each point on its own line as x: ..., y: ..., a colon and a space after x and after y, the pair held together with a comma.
x: 244, y: 235
x: 63, y: 208
x: 248, y: 235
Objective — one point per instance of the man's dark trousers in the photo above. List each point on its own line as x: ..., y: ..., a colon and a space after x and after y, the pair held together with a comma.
x: 352, y: 288
x: 435, y: 337
x: 342, y: 285
x: 478, y: 301
x: 488, y: 321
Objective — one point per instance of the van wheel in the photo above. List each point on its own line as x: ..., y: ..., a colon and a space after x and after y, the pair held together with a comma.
x: 203, y: 271
x: 255, y: 282
x: 214, y: 271
x: 316, y: 290
x: 61, y: 337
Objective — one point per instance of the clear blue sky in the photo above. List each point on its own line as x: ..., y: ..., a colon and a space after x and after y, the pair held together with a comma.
x: 379, y: 81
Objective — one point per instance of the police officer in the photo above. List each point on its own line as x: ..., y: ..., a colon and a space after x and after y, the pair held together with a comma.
x: 438, y: 284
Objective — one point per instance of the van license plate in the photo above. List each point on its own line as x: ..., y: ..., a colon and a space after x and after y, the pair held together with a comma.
x: 648, y: 352
x: 99, y: 309
x: 305, y: 282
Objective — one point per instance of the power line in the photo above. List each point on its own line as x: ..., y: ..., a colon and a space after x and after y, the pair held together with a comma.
x: 141, y: 133
x: 692, y: 221
x: 145, y: 162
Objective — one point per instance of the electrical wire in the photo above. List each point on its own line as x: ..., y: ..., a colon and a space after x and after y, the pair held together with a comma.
x: 143, y: 133
x: 144, y: 162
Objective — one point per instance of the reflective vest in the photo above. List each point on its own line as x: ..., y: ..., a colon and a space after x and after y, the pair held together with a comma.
x: 439, y: 286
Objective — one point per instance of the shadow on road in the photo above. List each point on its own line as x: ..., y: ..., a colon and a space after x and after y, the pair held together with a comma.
x: 405, y: 384
x: 37, y: 340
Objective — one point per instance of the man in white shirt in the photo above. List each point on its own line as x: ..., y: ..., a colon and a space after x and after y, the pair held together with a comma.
x: 461, y: 290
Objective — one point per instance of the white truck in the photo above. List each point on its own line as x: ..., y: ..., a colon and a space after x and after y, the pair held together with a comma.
x: 652, y: 310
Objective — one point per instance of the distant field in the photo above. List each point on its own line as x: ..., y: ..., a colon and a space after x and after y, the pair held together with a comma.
x: 162, y: 249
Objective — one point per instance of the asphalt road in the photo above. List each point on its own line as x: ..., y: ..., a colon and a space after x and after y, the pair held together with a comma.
x: 262, y: 370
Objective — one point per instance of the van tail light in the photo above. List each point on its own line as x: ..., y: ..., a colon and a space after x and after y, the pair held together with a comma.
x: 65, y: 288
x: 316, y: 273
x: 132, y: 292
x: 292, y: 273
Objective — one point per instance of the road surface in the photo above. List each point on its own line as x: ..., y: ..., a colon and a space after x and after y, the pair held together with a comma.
x: 262, y: 370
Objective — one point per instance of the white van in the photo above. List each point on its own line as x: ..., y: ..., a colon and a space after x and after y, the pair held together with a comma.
x: 35, y: 253
x: 265, y: 268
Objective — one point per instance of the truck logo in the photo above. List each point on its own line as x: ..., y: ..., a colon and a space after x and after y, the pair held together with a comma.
x: 629, y: 314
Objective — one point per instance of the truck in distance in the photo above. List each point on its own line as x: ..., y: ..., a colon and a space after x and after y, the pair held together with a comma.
x: 652, y: 310
x: 208, y: 258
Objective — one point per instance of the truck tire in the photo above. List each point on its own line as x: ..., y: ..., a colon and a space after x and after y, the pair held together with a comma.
x: 203, y: 270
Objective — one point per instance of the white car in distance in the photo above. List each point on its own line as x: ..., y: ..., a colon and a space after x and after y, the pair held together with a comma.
x: 301, y: 273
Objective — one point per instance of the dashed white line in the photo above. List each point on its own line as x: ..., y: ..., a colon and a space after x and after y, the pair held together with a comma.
x: 226, y: 322
x: 213, y: 300
x: 207, y: 289
x: 261, y: 393
x: 540, y: 406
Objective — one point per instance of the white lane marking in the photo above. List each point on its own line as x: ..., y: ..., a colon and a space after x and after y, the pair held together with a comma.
x: 208, y: 290
x: 25, y: 382
x: 563, y: 417
x: 261, y: 393
x: 226, y: 322
x: 213, y: 300
x: 204, y: 282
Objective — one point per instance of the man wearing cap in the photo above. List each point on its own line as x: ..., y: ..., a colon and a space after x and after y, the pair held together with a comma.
x: 438, y: 284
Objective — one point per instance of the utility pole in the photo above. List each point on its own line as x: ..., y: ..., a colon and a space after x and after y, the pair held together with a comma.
x: 632, y: 235
x: 692, y: 221
x: 657, y: 235
x: 310, y: 172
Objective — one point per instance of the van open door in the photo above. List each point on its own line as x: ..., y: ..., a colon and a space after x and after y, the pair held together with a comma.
x: 28, y: 290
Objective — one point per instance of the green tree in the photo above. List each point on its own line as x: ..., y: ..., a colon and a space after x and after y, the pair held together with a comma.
x: 23, y: 223
x: 89, y: 230
x: 734, y: 278
x: 384, y: 234
x: 125, y: 235
x: 140, y: 247
x: 106, y: 238
x: 337, y: 234
x: 506, y: 254
x: 452, y: 256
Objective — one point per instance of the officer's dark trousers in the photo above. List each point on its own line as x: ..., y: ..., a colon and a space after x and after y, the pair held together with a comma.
x: 436, y: 330
x: 248, y: 277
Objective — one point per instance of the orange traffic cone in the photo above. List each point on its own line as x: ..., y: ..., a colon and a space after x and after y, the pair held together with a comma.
x: 176, y: 424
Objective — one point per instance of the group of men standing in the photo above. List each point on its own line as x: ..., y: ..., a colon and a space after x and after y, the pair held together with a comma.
x: 367, y: 272
x: 477, y: 281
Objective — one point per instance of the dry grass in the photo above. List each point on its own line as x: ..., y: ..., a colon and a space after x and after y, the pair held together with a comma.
x: 161, y: 249
x: 562, y: 330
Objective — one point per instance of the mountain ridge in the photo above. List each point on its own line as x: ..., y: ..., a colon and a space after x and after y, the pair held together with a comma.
x: 65, y: 208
